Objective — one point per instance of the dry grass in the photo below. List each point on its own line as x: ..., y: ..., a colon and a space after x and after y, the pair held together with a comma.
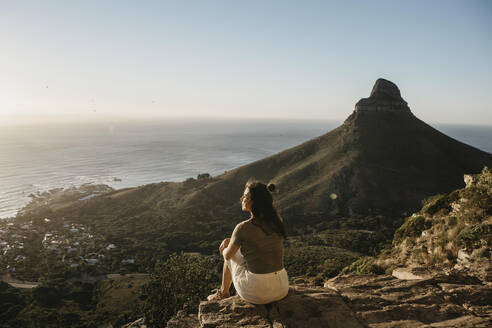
x: 434, y: 238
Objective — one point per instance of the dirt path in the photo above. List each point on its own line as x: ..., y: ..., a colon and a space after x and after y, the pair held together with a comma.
x: 17, y: 283
x: 14, y: 282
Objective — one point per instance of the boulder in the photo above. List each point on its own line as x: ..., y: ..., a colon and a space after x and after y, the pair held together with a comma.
x: 411, y: 273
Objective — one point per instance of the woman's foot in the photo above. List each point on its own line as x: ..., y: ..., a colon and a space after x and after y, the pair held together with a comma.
x: 217, y: 296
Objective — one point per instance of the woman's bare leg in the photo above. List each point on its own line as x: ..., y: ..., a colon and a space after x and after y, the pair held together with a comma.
x: 226, y: 280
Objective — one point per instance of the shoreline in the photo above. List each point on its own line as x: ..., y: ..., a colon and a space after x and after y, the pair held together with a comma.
x: 58, y: 197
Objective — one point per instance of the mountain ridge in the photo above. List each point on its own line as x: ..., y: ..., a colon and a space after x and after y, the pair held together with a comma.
x: 377, y: 161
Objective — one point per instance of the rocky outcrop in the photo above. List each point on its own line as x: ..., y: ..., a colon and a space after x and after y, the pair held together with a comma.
x: 482, y: 181
x: 451, y: 299
x: 303, y: 307
x: 443, y: 300
x: 385, y: 96
x: 411, y: 273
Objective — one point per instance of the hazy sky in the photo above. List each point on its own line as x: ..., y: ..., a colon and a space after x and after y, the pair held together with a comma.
x: 90, y: 60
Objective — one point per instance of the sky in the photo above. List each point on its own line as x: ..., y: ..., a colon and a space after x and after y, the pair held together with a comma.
x: 102, y: 60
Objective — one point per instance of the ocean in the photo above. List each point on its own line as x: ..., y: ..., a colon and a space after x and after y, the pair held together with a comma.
x: 38, y: 158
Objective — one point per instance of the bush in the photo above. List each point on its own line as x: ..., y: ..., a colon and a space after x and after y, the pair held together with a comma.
x: 82, y: 293
x: 179, y: 281
x: 439, y: 203
x: 331, y: 267
x: 203, y: 176
x: 47, y: 296
x: 412, y: 227
x: 9, y: 311
x: 313, y: 260
x: 69, y: 319
x: 471, y: 236
x: 364, y: 265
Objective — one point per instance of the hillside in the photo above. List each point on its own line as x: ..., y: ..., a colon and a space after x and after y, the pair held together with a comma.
x: 381, y: 160
x: 438, y: 274
x: 451, y: 231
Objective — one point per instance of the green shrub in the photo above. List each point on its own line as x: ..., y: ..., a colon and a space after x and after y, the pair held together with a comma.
x: 69, y: 319
x: 313, y: 260
x: 47, y: 296
x: 331, y: 267
x: 472, y: 235
x: 478, y: 205
x: 181, y: 280
x: 82, y: 293
x: 439, y: 203
x: 9, y: 311
x: 485, y: 181
x: 412, y: 227
x: 364, y: 265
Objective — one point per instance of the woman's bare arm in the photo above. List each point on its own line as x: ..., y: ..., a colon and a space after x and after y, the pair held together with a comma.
x: 230, y: 251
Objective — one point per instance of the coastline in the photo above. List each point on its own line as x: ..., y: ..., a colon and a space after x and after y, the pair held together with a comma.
x: 59, y: 197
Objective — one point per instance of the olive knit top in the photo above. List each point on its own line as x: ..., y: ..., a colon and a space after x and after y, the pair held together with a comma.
x: 261, y: 247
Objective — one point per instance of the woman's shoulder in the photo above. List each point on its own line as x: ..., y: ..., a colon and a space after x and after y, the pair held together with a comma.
x: 243, y: 224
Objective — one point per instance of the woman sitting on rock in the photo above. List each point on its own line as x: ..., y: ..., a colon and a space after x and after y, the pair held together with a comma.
x: 253, y: 256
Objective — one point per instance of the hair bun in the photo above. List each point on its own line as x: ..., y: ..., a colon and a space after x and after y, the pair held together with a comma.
x: 271, y: 187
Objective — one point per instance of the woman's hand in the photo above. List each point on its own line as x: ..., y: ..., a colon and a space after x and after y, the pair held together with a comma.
x: 224, y: 245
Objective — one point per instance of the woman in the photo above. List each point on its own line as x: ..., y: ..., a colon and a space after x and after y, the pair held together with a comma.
x: 253, y: 256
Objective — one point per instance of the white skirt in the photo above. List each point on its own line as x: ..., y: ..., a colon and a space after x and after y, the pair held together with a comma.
x: 255, y: 287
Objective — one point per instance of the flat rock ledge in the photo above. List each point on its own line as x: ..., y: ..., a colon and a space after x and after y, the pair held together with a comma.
x: 303, y: 307
x: 445, y: 300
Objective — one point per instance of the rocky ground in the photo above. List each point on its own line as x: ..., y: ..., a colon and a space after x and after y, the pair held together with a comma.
x: 450, y: 299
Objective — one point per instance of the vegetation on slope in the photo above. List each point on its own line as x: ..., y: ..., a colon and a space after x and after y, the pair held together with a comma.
x: 450, y: 229
x: 182, y: 280
x: 70, y: 303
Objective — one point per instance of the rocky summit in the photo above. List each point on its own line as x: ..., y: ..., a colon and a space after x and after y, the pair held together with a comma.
x: 385, y: 96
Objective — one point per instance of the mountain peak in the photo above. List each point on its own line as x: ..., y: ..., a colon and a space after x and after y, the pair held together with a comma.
x: 385, y: 88
x: 385, y: 96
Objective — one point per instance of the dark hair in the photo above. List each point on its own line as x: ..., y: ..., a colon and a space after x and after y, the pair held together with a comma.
x: 264, y: 214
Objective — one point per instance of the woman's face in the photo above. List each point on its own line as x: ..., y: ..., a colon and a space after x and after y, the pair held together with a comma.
x: 246, y: 200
